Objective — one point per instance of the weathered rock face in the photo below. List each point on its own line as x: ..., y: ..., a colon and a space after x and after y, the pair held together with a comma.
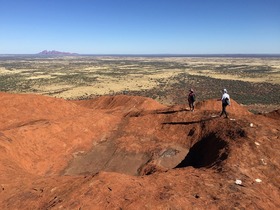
x: 129, y: 152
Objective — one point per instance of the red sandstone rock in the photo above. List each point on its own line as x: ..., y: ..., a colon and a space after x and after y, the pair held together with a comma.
x: 126, y: 152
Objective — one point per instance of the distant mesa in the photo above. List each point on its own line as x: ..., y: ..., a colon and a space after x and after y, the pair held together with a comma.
x: 54, y: 52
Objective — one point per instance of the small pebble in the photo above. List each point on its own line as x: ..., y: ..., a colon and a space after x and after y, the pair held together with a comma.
x: 238, y: 182
x: 263, y: 161
x: 258, y: 180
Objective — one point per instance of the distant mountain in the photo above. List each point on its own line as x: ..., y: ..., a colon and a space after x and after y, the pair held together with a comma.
x: 54, y: 52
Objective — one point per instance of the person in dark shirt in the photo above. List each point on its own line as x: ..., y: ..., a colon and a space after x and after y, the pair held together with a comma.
x: 191, y: 99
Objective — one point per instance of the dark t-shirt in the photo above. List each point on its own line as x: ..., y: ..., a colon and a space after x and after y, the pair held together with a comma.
x: 191, y: 97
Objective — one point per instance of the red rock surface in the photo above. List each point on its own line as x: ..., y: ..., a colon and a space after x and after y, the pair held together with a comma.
x: 125, y: 152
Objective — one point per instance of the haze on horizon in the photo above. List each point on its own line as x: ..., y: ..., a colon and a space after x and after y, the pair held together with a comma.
x: 140, y: 27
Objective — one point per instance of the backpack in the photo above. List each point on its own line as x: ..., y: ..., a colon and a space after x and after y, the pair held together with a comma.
x: 193, y: 97
x: 227, y: 101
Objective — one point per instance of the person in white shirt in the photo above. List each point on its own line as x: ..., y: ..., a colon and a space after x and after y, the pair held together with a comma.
x: 225, y: 102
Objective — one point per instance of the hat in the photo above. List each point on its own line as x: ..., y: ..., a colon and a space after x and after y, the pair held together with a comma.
x: 191, y: 90
x: 225, y: 90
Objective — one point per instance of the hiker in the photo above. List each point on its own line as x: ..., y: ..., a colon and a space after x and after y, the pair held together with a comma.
x: 191, y: 99
x: 225, y: 102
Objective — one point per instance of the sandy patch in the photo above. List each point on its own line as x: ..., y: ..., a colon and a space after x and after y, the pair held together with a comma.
x: 106, y: 87
x: 51, y: 88
x: 41, y: 77
x: 58, y: 74
x: 4, y: 71
x: 109, y: 85
x: 273, y: 78
x: 14, y: 71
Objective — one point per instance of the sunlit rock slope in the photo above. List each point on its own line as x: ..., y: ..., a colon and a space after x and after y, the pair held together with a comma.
x: 130, y: 152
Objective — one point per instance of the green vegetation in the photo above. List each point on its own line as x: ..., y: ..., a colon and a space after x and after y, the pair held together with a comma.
x: 171, y: 77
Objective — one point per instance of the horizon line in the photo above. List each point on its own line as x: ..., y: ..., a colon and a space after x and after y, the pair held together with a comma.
x: 145, y: 54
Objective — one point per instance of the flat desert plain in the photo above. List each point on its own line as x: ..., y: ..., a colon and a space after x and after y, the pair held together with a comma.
x: 249, y: 80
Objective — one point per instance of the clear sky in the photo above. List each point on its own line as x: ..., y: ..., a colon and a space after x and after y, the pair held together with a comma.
x: 140, y: 26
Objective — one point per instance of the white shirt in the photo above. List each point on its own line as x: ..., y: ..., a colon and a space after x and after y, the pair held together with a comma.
x: 225, y: 95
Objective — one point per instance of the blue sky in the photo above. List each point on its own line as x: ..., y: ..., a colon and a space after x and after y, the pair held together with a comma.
x: 140, y: 26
